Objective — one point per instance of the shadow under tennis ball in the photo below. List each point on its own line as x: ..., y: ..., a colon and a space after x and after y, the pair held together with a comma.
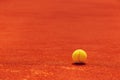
x: 79, y: 64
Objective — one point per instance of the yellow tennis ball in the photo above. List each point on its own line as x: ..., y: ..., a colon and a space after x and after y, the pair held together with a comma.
x: 79, y: 56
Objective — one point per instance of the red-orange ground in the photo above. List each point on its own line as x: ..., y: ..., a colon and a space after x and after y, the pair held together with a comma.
x: 37, y: 38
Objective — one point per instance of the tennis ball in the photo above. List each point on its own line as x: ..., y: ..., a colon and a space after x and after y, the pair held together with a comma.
x: 79, y: 56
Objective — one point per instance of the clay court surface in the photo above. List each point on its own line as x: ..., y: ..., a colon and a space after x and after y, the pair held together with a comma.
x: 37, y: 38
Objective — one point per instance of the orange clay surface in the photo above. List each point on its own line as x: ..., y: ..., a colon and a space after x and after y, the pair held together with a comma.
x: 37, y: 38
